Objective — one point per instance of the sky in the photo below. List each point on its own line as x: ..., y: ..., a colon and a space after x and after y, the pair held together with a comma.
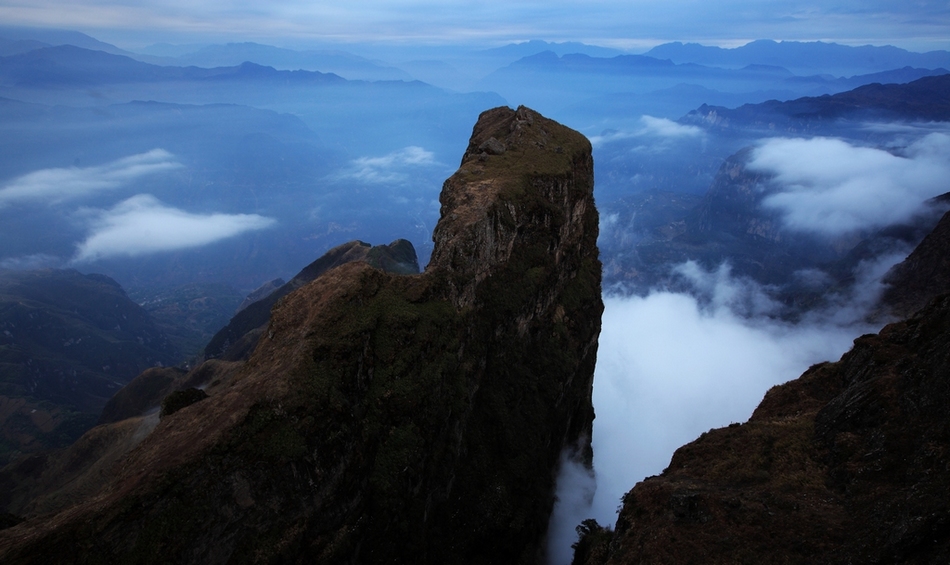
x: 626, y: 24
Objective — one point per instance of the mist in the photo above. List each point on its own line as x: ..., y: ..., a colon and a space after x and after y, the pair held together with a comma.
x: 143, y: 225
x: 671, y: 366
x: 831, y: 187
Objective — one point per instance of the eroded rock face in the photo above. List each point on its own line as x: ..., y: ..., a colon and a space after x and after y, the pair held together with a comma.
x: 385, y: 418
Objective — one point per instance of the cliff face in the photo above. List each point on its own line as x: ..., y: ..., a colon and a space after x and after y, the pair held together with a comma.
x: 385, y: 418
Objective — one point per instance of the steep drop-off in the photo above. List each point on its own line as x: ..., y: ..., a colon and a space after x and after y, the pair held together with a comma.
x: 847, y: 464
x: 382, y: 417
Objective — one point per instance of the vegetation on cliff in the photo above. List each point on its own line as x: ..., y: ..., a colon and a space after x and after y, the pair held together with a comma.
x: 383, y: 417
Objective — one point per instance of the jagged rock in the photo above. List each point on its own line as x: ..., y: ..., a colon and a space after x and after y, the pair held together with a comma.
x: 384, y: 418
x: 492, y: 147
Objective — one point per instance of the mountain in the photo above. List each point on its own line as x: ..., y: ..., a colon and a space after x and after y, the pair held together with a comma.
x: 846, y: 464
x: 347, y: 65
x: 649, y: 82
x: 924, y: 99
x: 383, y: 417
x: 922, y: 275
x: 70, y: 65
x: 190, y: 314
x: 802, y: 57
x: 514, y: 51
x: 54, y: 37
x: 650, y: 233
x: 68, y: 342
x: 238, y: 338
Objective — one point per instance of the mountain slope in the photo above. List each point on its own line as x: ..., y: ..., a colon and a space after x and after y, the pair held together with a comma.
x: 67, y: 342
x: 385, y: 418
x: 237, y: 339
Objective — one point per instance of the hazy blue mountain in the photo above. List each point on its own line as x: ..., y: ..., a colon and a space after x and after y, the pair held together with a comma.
x: 925, y: 99
x: 515, y: 51
x: 52, y: 37
x: 345, y: 64
x: 325, y: 158
x: 803, y: 57
x: 654, y: 226
x: 67, y: 65
x: 655, y: 85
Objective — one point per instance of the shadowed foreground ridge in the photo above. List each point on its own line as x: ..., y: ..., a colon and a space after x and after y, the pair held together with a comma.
x: 383, y: 417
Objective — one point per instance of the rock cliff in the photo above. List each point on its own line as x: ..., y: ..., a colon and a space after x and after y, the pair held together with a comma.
x: 383, y: 418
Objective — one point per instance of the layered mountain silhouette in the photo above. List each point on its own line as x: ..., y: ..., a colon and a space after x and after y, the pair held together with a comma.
x: 654, y: 232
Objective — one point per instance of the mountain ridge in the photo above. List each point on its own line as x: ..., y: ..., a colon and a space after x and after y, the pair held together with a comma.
x: 410, y: 417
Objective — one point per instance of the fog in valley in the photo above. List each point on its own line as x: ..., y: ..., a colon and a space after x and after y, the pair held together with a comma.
x: 170, y: 165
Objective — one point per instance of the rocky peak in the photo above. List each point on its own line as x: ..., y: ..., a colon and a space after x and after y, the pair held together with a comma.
x: 381, y: 418
x: 523, y: 178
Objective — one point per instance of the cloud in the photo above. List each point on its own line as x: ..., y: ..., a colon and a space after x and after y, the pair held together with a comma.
x: 653, y: 127
x: 575, y: 494
x: 142, y: 225
x: 57, y: 185
x: 29, y: 262
x: 613, y: 22
x: 673, y: 365
x: 668, y: 128
x: 830, y: 187
x: 394, y: 167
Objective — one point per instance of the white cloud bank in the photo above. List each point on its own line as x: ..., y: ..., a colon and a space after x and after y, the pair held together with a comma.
x: 830, y: 187
x: 394, y: 167
x: 663, y: 128
x: 671, y: 366
x: 142, y: 225
x: 60, y: 184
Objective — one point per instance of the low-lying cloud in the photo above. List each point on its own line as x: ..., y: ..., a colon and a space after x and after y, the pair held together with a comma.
x: 652, y: 127
x: 830, y: 187
x: 142, y: 225
x: 671, y: 366
x: 394, y: 167
x: 60, y: 184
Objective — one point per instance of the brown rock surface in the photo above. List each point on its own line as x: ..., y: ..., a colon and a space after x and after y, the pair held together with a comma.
x: 383, y: 418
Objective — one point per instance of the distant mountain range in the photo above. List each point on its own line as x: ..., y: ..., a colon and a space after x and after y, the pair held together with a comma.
x: 654, y: 231
x: 925, y: 99
x: 802, y: 57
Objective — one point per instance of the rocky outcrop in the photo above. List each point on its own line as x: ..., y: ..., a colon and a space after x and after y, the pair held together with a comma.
x: 383, y: 417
